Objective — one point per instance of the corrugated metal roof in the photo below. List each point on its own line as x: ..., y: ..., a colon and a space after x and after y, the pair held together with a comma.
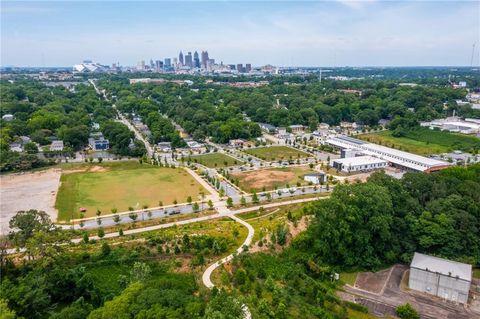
x: 443, y: 266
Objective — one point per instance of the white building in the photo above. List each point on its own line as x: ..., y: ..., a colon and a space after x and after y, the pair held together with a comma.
x: 56, y: 146
x: 358, y: 164
x: 164, y: 147
x: 89, y: 67
x: 397, y: 158
x: 444, y: 278
x: 454, y: 124
x: 315, y: 178
x: 7, y: 117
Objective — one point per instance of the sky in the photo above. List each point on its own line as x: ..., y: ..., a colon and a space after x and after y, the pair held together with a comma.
x: 282, y: 33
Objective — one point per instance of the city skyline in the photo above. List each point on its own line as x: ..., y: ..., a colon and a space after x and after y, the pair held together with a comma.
x: 333, y: 33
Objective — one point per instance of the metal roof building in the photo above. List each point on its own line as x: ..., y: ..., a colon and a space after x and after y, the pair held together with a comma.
x: 444, y: 278
x: 396, y: 157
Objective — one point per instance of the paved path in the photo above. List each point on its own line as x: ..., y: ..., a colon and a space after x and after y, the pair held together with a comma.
x: 208, y: 272
x: 202, y: 182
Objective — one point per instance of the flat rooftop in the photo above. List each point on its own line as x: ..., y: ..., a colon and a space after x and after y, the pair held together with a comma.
x: 442, y: 266
x: 359, y: 160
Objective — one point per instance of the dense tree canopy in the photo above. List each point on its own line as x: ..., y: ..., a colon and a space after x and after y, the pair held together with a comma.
x: 385, y: 220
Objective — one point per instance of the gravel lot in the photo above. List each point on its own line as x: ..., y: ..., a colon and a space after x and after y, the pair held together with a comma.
x: 28, y: 191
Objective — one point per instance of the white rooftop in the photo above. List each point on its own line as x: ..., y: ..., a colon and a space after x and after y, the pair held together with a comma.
x: 359, y: 160
x: 443, y: 266
x: 416, y: 162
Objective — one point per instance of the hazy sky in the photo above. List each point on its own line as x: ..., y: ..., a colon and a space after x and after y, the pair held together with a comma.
x: 313, y: 33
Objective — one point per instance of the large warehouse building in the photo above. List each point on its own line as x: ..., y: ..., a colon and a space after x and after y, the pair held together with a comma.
x: 444, y: 278
x: 395, y: 157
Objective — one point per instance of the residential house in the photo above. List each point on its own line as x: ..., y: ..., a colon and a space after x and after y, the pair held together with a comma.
x: 56, y: 146
x: 97, y: 142
x: 297, y: 129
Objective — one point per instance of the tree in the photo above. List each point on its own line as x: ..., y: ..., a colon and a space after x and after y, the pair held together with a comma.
x: 281, y: 234
x: 195, y: 207
x: 99, y: 212
x: 406, y: 311
x: 5, y: 312
x: 189, y: 200
x: 243, y: 201
x: 133, y: 216
x: 120, y: 306
x: 30, y: 148
x: 210, y: 204
x: 116, y: 219
x: 255, y: 199
x: 120, y: 232
x: 106, y: 249
x: 235, y: 233
x: 223, y: 306
x: 100, y: 233
x: 25, y: 223
x: 140, y: 272
x: 269, y: 197
x: 77, y: 310
x: 229, y: 202
x: 85, y: 238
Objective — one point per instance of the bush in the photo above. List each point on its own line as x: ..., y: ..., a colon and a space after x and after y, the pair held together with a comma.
x: 406, y: 311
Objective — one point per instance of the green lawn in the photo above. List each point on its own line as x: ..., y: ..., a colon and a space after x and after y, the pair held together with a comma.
x: 348, y: 277
x: 424, y: 141
x: 270, y: 178
x: 121, y: 185
x: 476, y: 273
x: 275, y: 153
x: 214, y: 160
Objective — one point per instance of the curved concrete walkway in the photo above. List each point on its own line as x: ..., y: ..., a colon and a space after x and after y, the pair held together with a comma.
x: 208, y: 272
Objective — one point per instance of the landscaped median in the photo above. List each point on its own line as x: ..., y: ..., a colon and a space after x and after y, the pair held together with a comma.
x: 201, y: 205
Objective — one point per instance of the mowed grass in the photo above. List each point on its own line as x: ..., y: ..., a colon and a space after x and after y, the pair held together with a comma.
x: 122, y: 185
x: 214, y: 160
x: 275, y: 153
x: 424, y: 141
x: 270, y: 179
x: 348, y: 277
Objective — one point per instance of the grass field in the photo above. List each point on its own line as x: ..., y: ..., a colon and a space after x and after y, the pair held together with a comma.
x: 275, y: 153
x: 271, y: 178
x: 476, y: 273
x: 121, y: 185
x: 348, y: 277
x: 214, y: 160
x: 424, y: 141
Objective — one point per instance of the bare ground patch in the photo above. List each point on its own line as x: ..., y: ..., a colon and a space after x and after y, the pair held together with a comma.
x: 372, y: 281
x: 26, y: 191
x: 260, y: 178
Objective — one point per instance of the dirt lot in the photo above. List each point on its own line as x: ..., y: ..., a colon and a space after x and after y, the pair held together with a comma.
x: 28, y: 191
x: 372, y: 281
x: 271, y: 178
x: 257, y: 179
